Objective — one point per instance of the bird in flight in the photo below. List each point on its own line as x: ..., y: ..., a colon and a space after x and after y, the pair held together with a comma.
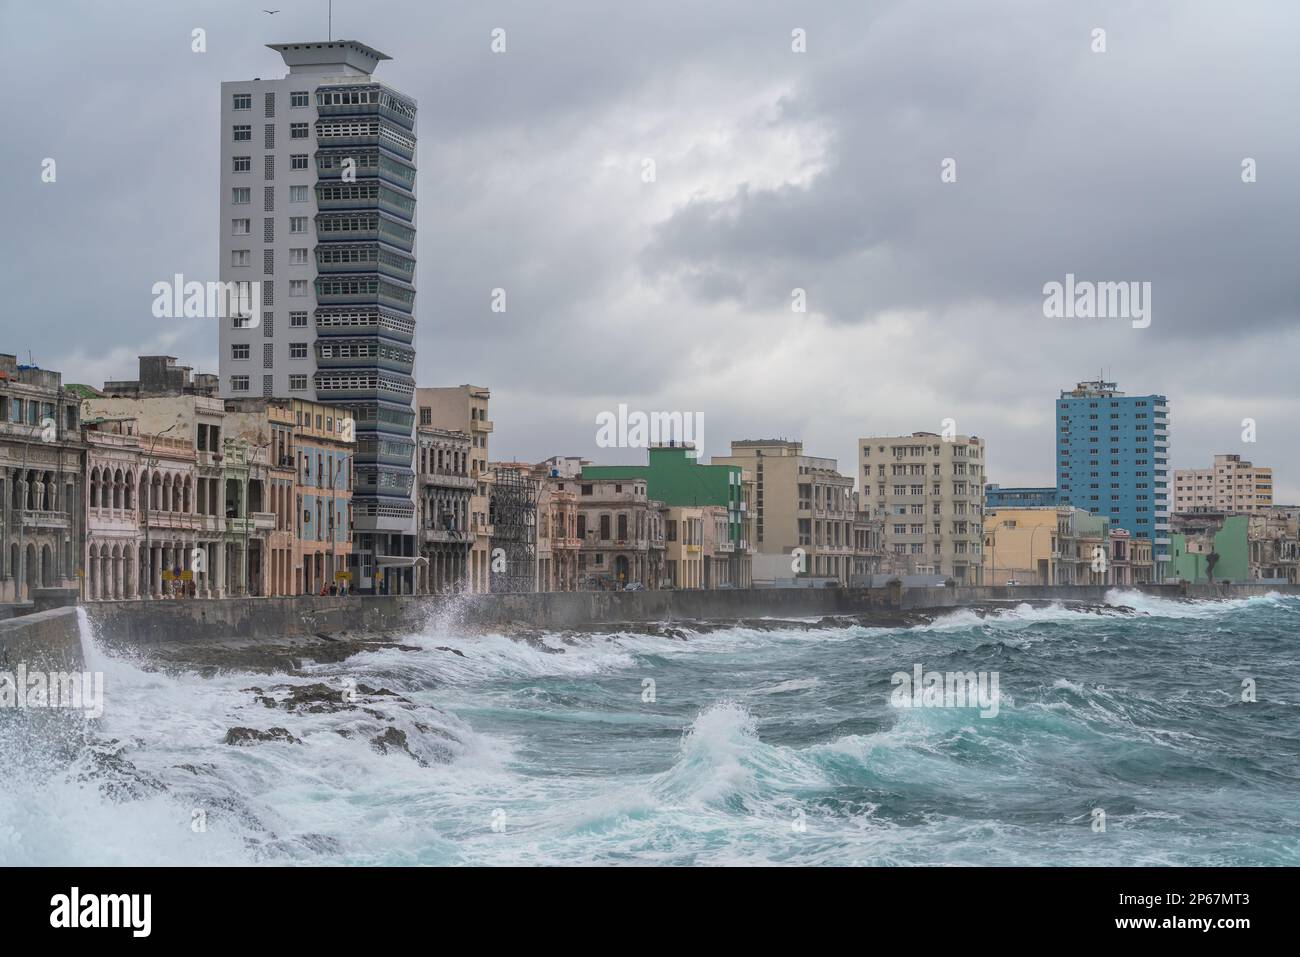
x: 270, y: 11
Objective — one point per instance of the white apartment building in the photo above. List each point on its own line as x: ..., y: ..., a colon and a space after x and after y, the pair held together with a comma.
x: 929, y: 492
x: 1229, y: 485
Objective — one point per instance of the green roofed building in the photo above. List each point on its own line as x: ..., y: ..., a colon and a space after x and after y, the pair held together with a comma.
x: 675, y: 477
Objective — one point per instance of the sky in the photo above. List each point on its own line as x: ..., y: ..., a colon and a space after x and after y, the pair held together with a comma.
x: 774, y: 170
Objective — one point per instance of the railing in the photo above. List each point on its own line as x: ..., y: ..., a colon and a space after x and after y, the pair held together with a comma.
x: 182, y: 520
x: 41, y: 518
x: 446, y: 480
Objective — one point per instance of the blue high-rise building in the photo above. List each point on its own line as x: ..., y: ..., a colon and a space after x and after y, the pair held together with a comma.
x: 1112, y: 459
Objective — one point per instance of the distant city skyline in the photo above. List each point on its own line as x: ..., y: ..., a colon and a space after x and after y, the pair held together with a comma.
x: 773, y: 171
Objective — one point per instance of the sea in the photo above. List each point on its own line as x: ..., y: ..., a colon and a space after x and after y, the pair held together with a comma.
x: 1141, y: 731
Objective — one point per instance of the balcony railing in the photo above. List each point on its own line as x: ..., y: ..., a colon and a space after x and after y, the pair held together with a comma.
x: 40, y: 518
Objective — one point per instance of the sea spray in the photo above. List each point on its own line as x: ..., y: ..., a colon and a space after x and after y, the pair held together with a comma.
x: 1140, y: 713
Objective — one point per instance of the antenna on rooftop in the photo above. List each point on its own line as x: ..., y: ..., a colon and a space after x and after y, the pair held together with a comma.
x: 330, y: 24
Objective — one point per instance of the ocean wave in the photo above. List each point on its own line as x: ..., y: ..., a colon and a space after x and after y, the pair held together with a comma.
x: 1160, y: 607
x: 765, y: 745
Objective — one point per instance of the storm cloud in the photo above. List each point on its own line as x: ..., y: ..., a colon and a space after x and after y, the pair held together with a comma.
x: 774, y: 170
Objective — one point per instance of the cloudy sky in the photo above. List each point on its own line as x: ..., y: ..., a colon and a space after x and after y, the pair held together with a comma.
x: 774, y: 170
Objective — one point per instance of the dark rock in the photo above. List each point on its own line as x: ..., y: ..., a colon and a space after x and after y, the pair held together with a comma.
x: 243, y: 736
x: 394, y: 739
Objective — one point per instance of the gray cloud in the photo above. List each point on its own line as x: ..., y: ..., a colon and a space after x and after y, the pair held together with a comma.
x: 774, y: 170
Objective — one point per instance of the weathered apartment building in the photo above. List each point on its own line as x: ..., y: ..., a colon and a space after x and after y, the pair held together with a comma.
x: 42, y: 522
x: 706, y: 513
x: 1262, y: 547
x: 1229, y: 485
x: 803, y: 511
x: 1062, y: 545
x: 929, y: 491
x: 189, y: 494
x: 622, y: 533
x: 464, y: 408
x: 444, y: 506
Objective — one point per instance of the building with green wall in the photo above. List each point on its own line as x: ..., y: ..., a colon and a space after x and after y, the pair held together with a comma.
x: 1229, y: 542
x: 675, y: 477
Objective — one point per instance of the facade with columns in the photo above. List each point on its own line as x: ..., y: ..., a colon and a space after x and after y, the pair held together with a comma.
x: 114, y: 536
x: 464, y: 408
x: 558, y: 545
x: 41, y: 482
x: 444, y: 493
x: 621, y: 530
x: 261, y: 432
x: 177, y: 508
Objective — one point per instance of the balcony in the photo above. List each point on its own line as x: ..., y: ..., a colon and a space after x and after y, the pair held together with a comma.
x: 179, y: 521
x: 365, y: 226
x: 39, y: 518
x: 365, y: 321
x: 340, y: 352
x: 258, y: 522
x: 365, y: 131
x: 445, y: 536
x: 359, y: 289
x: 379, y: 103
x: 446, y: 480
x: 363, y: 258
x: 364, y: 195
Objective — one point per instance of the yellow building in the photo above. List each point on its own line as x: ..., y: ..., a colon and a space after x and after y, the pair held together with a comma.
x: 1020, y: 545
x: 684, y: 545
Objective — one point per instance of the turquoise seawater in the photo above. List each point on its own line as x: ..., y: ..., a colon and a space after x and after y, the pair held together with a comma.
x: 733, y: 746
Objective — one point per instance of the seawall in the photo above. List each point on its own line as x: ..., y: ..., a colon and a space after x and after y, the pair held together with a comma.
x: 45, y: 640
x: 51, y: 638
x: 153, y: 622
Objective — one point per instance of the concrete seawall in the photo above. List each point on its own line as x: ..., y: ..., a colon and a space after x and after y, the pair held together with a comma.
x: 45, y: 640
x: 51, y: 638
x: 144, y: 623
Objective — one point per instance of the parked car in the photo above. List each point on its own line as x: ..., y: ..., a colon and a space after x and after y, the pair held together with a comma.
x: 634, y: 586
x: 1012, y: 581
